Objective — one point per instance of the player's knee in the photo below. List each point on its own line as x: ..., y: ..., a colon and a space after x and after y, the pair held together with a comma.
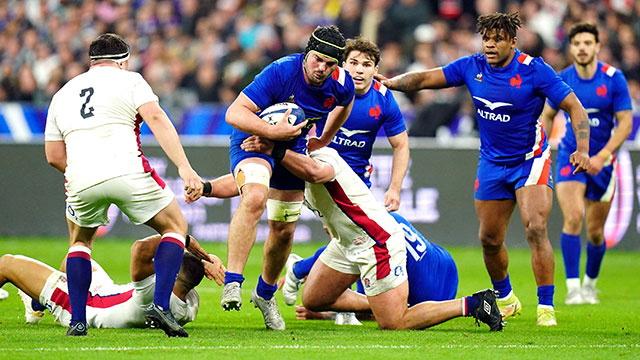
x: 5, y: 262
x: 535, y: 232
x: 491, y: 240
x: 254, y: 199
x: 573, y: 220
x: 596, y: 237
x: 284, y: 211
x: 282, y: 230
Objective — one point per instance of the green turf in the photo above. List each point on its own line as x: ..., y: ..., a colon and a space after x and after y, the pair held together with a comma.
x: 608, y: 330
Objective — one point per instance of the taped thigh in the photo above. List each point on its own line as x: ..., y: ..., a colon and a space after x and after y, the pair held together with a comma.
x: 252, y: 173
x: 283, y: 211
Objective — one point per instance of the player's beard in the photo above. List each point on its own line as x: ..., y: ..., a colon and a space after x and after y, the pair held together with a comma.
x: 589, y: 59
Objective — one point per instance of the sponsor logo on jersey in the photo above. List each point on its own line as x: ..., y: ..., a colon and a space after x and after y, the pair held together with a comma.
x: 366, y: 282
x: 359, y: 240
x: 601, y: 91
x: 375, y: 112
x: 478, y: 77
x: 516, y: 81
x: 346, y: 142
x: 328, y: 103
x: 492, y: 106
x: 350, y: 133
x: 398, y: 271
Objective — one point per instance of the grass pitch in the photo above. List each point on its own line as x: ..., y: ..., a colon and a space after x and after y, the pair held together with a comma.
x: 608, y: 330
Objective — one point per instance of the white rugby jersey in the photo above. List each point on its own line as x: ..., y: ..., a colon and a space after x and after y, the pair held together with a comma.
x: 96, y: 115
x: 346, y: 206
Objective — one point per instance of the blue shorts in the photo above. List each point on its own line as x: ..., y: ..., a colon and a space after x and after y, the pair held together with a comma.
x: 281, y: 178
x: 600, y: 187
x: 498, y: 181
x: 432, y: 278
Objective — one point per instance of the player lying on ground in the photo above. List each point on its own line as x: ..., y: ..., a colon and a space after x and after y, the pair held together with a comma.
x: 110, y: 305
x: 431, y: 272
x: 369, y: 246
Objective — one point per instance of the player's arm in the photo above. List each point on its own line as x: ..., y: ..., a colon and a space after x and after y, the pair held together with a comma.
x: 302, y: 166
x: 167, y: 137
x: 223, y: 187
x: 581, y: 128
x: 56, y: 153
x: 335, y: 120
x: 400, y: 164
x: 241, y: 114
x: 415, y: 80
x: 618, y: 137
x: 548, y: 113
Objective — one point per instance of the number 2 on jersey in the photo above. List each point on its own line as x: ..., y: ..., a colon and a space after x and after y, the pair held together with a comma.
x: 83, y: 111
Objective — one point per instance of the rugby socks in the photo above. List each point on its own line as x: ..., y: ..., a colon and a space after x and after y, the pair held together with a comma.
x: 230, y: 277
x: 265, y: 290
x: 78, y: 281
x: 166, y: 262
x: 303, y: 267
x: 570, y: 245
x: 36, y: 306
x: 503, y: 287
x: 594, y: 259
x: 469, y: 303
x: 545, y: 295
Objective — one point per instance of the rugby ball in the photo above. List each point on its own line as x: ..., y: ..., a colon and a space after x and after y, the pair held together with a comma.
x: 274, y: 113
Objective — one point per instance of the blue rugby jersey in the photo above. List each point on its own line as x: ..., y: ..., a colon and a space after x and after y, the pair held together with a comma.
x: 354, y: 141
x: 602, y: 96
x: 508, y: 103
x: 283, y: 80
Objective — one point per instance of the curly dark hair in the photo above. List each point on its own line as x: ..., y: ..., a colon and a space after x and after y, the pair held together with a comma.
x: 499, y: 21
x: 363, y: 45
x: 583, y: 27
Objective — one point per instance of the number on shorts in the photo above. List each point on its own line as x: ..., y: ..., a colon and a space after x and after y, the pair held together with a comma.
x: 83, y: 111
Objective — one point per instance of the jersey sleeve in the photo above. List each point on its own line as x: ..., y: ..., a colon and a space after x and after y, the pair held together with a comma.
x: 51, y: 130
x: 142, y: 92
x: 393, y: 121
x: 549, y: 83
x: 349, y: 90
x: 329, y: 156
x: 265, y: 88
x: 454, y: 72
x: 621, y: 97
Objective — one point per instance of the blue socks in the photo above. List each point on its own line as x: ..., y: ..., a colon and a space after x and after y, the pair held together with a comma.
x: 230, y: 277
x: 265, y: 290
x: 570, y: 245
x: 78, y: 281
x: 594, y: 259
x: 36, y: 306
x: 167, y: 261
x: 303, y: 267
x: 545, y: 295
x: 472, y: 303
x: 503, y: 287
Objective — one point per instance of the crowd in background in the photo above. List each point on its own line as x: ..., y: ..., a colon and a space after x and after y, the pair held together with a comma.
x: 194, y: 52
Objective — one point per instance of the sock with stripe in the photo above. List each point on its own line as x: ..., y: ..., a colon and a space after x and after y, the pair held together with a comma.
x: 545, y: 295
x: 166, y: 262
x: 265, y: 290
x: 570, y: 245
x: 78, y: 281
x: 594, y: 259
x: 469, y: 303
x: 503, y: 287
x: 230, y: 277
x: 303, y: 267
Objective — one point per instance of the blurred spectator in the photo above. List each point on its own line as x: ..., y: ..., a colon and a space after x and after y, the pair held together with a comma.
x: 206, y: 51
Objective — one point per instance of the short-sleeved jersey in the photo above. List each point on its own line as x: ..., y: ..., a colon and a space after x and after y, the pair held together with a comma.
x: 95, y: 114
x: 602, y: 96
x: 354, y: 141
x: 283, y: 80
x: 346, y: 206
x: 508, y: 103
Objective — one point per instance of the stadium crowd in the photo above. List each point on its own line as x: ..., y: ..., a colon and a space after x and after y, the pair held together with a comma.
x: 194, y: 52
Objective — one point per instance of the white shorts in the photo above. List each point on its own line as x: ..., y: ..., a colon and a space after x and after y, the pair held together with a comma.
x: 112, y: 306
x: 139, y: 196
x: 381, y: 268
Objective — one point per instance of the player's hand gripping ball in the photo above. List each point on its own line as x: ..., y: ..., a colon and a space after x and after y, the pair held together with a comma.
x: 274, y: 113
